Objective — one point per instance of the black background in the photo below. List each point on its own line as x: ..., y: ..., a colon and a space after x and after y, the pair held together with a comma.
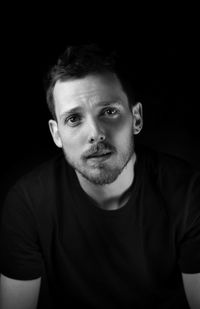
x: 163, y: 54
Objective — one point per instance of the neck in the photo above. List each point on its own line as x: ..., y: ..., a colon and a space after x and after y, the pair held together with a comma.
x: 111, y: 196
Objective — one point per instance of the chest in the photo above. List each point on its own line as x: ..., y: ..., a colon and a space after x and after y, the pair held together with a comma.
x: 116, y: 256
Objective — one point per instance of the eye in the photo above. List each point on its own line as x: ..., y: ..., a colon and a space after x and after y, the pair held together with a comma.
x: 73, y: 120
x: 111, y: 112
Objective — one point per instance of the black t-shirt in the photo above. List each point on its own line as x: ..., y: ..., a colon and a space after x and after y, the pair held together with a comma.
x: 126, y: 258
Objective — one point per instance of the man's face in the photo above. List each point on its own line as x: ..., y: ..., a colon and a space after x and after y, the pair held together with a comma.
x: 94, y: 126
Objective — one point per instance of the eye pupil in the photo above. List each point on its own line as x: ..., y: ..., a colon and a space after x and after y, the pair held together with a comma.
x: 73, y: 120
x: 111, y: 111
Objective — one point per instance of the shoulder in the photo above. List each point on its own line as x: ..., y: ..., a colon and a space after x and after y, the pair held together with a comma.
x: 44, y: 172
x: 175, y: 181
x: 41, y: 183
x: 164, y: 166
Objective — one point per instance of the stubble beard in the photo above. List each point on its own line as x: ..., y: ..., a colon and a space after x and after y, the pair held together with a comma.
x: 105, y: 172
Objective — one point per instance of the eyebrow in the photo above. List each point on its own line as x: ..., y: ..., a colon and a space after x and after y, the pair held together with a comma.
x: 78, y: 109
x: 71, y: 111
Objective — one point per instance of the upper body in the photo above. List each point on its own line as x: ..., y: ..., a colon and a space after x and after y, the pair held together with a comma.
x: 101, y: 258
x: 111, y: 227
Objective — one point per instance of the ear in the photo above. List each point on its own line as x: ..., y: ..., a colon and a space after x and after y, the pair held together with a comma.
x: 137, y: 118
x: 53, y: 127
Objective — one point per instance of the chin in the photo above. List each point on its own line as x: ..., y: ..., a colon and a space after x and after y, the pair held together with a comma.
x: 101, y: 177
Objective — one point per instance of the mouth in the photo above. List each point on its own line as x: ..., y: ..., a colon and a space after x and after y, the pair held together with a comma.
x: 100, y: 156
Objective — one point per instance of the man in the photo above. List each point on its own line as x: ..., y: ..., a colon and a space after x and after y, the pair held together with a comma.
x: 109, y: 224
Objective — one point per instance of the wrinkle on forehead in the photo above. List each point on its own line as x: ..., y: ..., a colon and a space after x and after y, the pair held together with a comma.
x: 91, y: 90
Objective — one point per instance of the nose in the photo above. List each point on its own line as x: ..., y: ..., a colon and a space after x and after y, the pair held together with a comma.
x: 96, y: 133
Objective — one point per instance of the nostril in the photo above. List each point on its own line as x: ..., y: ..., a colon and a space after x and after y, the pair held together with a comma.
x: 102, y: 138
x: 99, y: 138
x: 91, y: 140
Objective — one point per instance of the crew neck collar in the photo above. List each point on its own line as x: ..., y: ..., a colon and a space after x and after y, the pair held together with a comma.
x: 82, y: 197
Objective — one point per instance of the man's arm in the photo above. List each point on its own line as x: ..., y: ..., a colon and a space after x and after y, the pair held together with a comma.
x: 19, y: 294
x: 192, y: 289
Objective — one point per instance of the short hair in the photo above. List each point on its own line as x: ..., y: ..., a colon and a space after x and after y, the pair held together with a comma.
x: 78, y: 61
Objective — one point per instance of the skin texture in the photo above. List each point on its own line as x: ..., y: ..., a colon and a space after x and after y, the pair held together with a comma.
x: 94, y: 119
x: 192, y: 289
x: 19, y: 294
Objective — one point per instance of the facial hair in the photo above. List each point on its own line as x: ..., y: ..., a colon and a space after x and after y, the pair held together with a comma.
x: 105, y: 172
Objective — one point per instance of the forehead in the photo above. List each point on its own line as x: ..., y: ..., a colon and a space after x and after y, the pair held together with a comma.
x: 90, y: 90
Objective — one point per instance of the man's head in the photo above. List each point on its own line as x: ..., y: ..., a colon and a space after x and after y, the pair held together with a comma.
x: 94, y: 122
x: 82, y: 60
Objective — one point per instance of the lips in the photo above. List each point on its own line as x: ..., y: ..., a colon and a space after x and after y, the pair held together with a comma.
x: 99, y: 154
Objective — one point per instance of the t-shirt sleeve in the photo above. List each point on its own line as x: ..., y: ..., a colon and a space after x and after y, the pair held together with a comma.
x: 20, y: 256
x: 190, y: 243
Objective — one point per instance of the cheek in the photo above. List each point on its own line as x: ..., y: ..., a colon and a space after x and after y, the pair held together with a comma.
x: 72, y: 141
x: 122, y: 130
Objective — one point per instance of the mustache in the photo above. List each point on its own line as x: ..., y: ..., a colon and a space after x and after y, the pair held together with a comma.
x: 99, y: 147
